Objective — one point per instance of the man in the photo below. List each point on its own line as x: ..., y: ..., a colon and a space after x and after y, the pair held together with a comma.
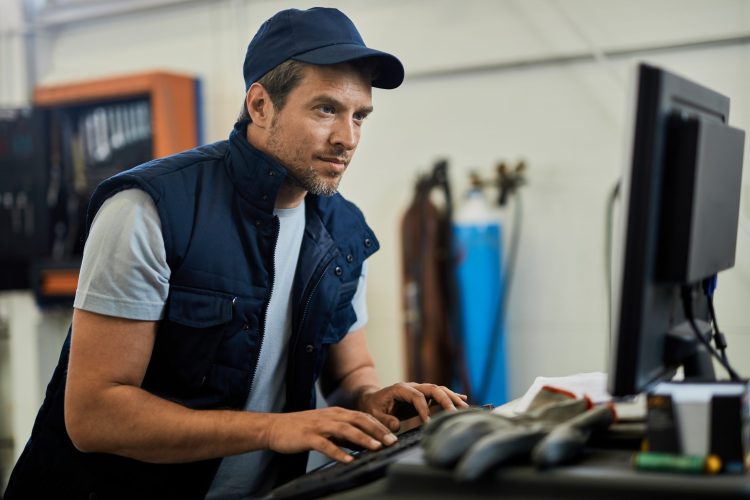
x: 223, y: 279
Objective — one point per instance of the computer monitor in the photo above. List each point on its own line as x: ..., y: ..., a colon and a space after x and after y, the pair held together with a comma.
x: 680, y: 195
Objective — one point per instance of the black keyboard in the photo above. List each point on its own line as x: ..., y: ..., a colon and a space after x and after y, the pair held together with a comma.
x: 335, y: 476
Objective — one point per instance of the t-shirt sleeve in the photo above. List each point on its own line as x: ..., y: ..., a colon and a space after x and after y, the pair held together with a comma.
x: 359, y: 301
x: 124, y: 271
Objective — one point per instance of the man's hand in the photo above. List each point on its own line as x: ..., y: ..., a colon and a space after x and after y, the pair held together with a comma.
x: 349, y: 379
x: 381, y: 402
x: 317, y: 429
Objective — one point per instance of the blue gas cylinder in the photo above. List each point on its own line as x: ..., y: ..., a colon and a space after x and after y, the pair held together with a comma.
x: 478, y: 238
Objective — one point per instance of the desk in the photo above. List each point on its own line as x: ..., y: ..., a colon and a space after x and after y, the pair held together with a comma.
x: 604, y: 474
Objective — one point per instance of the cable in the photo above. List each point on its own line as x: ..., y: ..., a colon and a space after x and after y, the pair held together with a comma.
x: 709, y: 285
x: 596, y: 52
x: 608, y: 230
x: 515, y: 237
x: 719, y: 338
x: 687, y: 305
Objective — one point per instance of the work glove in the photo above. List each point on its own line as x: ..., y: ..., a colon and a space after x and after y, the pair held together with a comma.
x: 553, y: 430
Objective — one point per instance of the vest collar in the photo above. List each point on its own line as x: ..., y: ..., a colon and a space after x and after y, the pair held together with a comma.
x: 256, y: 175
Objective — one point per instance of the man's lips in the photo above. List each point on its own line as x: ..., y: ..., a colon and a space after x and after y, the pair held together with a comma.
x: 338, y: 164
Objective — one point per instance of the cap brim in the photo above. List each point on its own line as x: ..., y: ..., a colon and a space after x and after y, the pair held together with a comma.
x: 390, y: 72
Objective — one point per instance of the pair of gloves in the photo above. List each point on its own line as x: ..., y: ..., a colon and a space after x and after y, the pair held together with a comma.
x: 474, y: 441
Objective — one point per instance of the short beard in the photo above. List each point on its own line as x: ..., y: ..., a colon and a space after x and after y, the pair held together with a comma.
x: 312, y: 183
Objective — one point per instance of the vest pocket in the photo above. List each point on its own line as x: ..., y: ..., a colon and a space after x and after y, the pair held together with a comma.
x: 199, y: 308
x: 187, y: 340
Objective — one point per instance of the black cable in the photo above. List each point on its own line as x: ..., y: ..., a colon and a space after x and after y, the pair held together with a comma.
x: 719, y: 338
x: 505, y: 287
x: 515, y: 239
x: 687, y: 305
x: 709, y: 285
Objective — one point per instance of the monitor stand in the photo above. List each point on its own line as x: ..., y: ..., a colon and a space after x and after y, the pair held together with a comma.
x: 682, y: 348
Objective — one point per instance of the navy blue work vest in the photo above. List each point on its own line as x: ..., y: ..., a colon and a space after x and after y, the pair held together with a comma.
x: 216, y: 208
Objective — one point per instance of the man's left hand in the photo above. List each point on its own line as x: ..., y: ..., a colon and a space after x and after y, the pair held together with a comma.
x: 381, y: 403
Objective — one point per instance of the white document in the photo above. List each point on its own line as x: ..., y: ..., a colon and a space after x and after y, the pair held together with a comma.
x: 593, y: 385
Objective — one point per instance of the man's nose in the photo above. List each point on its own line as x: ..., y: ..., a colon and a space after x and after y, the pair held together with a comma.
x: 345, y: 134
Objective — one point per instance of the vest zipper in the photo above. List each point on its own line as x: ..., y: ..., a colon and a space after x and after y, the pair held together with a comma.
x: 310, y: 295
x: 298, y: 334
x: 277, y: 225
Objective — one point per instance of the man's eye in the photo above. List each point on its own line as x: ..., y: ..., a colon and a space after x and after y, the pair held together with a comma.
x: 327, y: 108
x: 359, y: 116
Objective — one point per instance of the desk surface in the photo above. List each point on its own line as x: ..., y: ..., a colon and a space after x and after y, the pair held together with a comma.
x: 601, y: 474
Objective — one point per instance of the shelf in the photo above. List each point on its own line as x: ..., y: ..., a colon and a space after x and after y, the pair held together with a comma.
x: 173, y: 103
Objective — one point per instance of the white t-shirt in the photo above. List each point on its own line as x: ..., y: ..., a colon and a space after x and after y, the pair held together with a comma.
x: 124, y: 273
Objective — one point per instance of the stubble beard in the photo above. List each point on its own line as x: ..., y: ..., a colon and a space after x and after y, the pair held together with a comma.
x: 313, y: 182
x: 300, y: 173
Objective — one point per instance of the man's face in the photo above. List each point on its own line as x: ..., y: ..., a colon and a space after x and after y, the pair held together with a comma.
x: 317, y: 131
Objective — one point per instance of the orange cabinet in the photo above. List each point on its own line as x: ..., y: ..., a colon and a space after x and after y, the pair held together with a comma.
x: 94, y: 129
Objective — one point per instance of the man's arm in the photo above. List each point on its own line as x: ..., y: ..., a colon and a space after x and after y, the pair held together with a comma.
x: 350, y: 380
x: 107, y: 411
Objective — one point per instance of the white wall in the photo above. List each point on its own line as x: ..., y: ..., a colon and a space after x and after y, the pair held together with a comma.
x: 566, y: 119
x: 14, y: 90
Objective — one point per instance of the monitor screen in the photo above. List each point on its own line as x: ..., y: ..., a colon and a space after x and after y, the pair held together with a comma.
x: 680, y: 195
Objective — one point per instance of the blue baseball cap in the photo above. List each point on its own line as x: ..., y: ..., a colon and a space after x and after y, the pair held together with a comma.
x: 316, y: 36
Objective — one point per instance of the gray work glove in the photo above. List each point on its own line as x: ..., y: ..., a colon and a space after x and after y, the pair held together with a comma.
x: 474, y: 441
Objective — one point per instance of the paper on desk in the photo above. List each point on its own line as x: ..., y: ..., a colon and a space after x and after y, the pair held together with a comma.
x: 593, y: 385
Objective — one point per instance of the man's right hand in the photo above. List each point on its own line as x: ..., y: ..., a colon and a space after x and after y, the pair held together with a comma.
x: 318, y: 429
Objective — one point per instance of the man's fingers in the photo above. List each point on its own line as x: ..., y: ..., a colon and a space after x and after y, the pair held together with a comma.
x: 439, y: 396
x: 354, y: 427
x: 459, y: 400
x: 320, y: 429
x: 388, y: 420
x: 374, y: 426
x: 409, y: 394
x: 327, y: 448
x: 381, y: 403
x: 445, y: 397
x: 347, y: 432
x: 364, y: 424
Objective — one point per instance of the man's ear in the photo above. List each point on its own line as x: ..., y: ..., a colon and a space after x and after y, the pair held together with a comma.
x: 259, y: 105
